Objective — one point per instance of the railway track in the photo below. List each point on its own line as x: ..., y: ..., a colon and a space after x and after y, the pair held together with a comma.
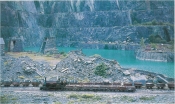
x: 104, y: 86
x: 142, y: 91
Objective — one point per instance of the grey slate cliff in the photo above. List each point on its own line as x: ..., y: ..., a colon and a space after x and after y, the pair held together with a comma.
x: 155, y: 56
x: 75, y: 22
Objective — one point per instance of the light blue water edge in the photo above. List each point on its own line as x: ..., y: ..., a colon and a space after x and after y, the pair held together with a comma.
x: 126, y: 59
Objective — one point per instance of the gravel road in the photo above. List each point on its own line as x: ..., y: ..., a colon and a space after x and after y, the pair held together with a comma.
x: 32, y: 95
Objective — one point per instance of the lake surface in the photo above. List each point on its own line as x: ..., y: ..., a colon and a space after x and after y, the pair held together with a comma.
x: 126, y: 59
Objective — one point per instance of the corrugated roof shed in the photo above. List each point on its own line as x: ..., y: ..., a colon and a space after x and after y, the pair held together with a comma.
x: 2, y: 41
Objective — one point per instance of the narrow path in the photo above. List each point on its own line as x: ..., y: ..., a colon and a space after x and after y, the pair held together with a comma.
x: 138, y: 91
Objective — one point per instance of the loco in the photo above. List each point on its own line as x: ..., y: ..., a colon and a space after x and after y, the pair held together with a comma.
x: 7, y: 83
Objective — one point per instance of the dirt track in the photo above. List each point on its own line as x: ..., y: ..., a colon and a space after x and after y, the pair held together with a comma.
x: 34, y: 95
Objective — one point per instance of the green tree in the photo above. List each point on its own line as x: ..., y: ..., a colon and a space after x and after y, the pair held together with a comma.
x: 156, y: 39
x: 135, y: 22
x: 154, y: 22
x: 142, y: 42
x: 106, y: 46
x: 101, y: 70
x: 153, y: 46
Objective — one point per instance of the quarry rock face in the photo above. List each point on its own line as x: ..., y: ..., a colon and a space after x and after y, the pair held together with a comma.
x: 75, y: 22
x: 155, y: 56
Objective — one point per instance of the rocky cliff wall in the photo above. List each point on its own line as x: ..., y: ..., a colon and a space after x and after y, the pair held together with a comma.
x: 155, y: 56
x: 79, y: 21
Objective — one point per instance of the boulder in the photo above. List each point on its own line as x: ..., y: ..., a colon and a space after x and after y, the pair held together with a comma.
x: 29, y: 69
x: 126, y: 72
x: 140, y: 78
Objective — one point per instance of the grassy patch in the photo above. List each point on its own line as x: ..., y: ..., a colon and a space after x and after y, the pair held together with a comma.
x: 48, y: 55
x: 75, y: 96
x: 57, y: 103
x: 36, y: 57
x: 127, y: 98
x: 38, y: 77
x: 85, y: 80
x: 14, y: 98
x: 63, y: 54
x: 71, y: 102
x: 85, y: 97
x: 147, y: 98
x: 4, y: 99
x: 5, y: 63
x: 50, y: 94
x: 21, y: 77
x: 7, y: 98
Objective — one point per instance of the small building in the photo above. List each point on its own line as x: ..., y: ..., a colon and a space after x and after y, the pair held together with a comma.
x: 15, y: 45
x: 2, y: 47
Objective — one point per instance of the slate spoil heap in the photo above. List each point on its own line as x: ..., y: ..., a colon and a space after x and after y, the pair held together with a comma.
x: 75, y: 67
x: 82, y: 68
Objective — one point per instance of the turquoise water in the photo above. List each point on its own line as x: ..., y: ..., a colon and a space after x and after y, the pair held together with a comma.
x: 126, y: 59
